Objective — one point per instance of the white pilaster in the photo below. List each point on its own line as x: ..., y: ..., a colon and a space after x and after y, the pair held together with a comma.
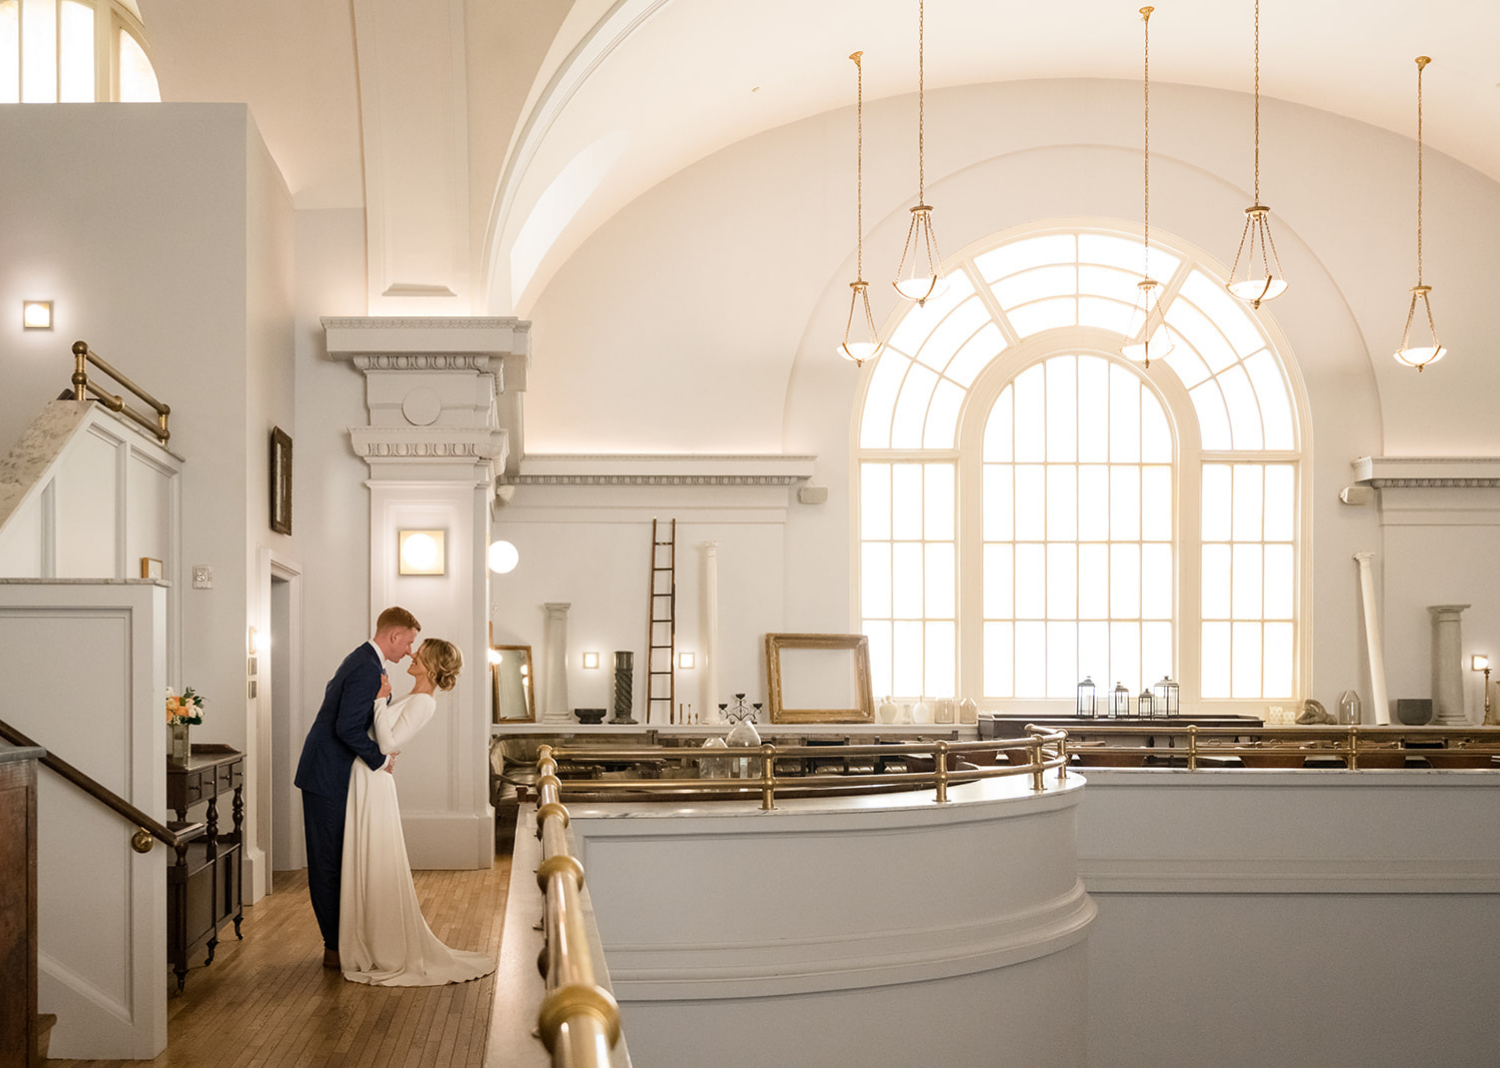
x: 1378, y: 698
x: 710, y: 693
x: 555, y: 664
x: 1447, y: 665
x: 434, y: 446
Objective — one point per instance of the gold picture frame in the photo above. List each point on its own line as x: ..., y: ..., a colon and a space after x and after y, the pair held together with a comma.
x: 513, y: 695
x: 819, y: 678
x: 281, y: 481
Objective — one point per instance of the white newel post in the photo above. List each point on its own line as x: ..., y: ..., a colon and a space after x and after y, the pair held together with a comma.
x: 1447, y: 665
x: 434, y: 447
x: 555, y: 664
x: 710, y: 694
x: 1378, y: 696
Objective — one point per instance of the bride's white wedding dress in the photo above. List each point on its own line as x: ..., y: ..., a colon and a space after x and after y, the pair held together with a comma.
x: 383, y: 939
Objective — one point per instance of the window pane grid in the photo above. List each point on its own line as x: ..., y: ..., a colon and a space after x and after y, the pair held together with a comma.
x: 1076, y: 560
x: 909, y: 576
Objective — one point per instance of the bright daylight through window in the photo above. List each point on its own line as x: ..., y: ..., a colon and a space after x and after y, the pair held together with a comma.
x: 73, y: 51
x: 1034, y: 509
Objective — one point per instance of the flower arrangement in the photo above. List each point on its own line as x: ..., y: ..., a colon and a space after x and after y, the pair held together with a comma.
x: 186, y: 707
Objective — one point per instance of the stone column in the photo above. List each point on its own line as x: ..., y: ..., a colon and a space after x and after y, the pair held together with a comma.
x: 1378, y: 699
x: 555, y: 664
x: 710, y: 625
x: 1447, y: 665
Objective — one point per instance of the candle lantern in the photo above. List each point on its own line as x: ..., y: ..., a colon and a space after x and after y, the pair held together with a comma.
x: 1086, y: 696
x: 1166, y: 697
x: 1119, y: 702
x: 1145, y: 705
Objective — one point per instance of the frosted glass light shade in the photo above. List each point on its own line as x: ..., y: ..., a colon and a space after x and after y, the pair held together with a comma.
x: 502, y: 557
x: 421, y: 552
x: 917, y: 276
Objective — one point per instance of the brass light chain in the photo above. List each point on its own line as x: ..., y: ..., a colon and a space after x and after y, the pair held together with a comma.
x: 1257, y: 101
x: 921, y: 101
x: 1146, y: 80
x: 1422, y: 62
x: 859, y: 195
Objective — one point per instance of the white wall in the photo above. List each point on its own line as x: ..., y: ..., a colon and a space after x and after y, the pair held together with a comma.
x: 703, y: 315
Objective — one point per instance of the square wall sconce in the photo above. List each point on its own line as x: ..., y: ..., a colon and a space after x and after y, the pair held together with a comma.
x: 1480, y: 662
x: 36, y: 314
x: 590, y: 661
x: 420, y: 552
x: 686, y: 661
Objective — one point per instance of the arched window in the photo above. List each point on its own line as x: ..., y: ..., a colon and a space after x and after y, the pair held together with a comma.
x: 73, y: 51
x: 1034, y: 509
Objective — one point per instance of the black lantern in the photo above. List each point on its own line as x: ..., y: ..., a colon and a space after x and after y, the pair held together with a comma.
x: 1086, y: 695
x: 1166, y: 697
x: 1145, y: 705
x: 1119, y: 702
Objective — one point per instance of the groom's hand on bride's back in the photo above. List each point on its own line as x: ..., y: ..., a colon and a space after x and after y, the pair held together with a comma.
x: 390, y: 764
x: 385, y: 686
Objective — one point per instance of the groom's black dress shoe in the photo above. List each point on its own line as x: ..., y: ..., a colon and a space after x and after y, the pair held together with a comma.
x: 331, y: 959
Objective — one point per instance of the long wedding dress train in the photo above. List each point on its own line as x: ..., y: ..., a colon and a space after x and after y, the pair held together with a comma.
x: 383, y: 938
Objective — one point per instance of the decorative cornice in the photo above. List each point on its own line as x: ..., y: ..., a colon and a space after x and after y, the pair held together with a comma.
x: 427, y: 361
x: 657, y: 480
x: 1428, y: 472
x: 373, y: 322
x: 428, y: 443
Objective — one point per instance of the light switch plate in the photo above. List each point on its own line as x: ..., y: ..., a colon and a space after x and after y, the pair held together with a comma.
x: 203, y: 577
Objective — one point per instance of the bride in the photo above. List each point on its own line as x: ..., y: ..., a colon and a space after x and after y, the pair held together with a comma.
x: 383, y: 939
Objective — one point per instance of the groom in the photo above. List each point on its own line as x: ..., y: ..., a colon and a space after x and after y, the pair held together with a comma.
x: 338, y: 736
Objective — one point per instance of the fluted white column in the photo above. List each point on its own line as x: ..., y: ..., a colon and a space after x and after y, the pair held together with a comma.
x: 555, y: 664
x: 1447, y: 665
x: 1378, y: 698
x: 710, y: 626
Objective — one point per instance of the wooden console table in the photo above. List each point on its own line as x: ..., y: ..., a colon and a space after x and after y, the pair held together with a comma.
x: 203, y: 886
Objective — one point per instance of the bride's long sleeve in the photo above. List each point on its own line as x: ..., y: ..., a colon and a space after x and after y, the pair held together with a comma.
x: 398, y: 722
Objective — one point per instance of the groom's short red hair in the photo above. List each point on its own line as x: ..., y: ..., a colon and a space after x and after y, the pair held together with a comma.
x: 396, y: 616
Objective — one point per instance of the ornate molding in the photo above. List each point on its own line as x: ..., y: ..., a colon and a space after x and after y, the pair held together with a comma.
x: 656, y: 480
x: 376, y: 444
x: 1428, y: 472
x: 685, y: 469
x: 481, y: 363
x: 520, y: 326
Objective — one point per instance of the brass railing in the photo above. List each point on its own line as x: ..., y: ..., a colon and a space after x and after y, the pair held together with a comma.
x: 82, y: 357
x: 951, y: 763
x: 147, y: 829
x: 579, y: 1020
x: 1359, y: 746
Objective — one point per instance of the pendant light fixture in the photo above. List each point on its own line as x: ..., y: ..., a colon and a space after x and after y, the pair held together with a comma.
x: 1143, y: 347
x: 861, y: 342
x: 1264, y: 282
x: 1419, y: 356
x: 917, y: 275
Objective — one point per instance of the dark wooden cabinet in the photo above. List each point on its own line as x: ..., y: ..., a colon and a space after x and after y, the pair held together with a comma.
x: 203, y: 886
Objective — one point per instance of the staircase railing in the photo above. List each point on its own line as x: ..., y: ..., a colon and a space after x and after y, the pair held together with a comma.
x: 148, y: 830
x: 82, y: 357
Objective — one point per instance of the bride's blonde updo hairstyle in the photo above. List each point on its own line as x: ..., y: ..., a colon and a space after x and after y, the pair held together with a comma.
x: 443, y: 662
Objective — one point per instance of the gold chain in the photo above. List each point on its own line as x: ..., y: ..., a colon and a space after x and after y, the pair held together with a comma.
x: 859, y: 195
x: 921, y: 101
x: 1146, y: 80
x: 1257, y: 101
x: 1422, y: 61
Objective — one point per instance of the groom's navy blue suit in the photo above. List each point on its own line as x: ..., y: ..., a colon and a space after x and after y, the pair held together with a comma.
x: 338, y: 735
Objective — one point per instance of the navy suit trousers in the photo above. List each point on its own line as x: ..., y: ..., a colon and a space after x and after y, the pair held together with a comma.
x: 323, y: 819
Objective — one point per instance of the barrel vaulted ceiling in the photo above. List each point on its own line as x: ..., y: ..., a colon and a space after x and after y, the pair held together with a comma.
x: 486, y: 139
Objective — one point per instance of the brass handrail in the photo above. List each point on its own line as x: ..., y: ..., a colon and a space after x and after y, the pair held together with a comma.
x: 1046, y: 750
x: 1349, y: 742
x: 82, y: 356
x: 579, y: 1020
x: 147, y: 828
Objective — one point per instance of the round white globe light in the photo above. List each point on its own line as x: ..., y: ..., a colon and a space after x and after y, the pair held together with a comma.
x: 419, y: 552
x: 503, y: 557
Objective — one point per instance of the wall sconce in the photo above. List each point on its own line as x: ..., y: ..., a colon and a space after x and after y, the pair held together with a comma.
x: 421, y: 552
x: 590, y: 661
x: 686, y: 661
x: 502, y: 557
x: 36, y: 314
x: 253, y: 642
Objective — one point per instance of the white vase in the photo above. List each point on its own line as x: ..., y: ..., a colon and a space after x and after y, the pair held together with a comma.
x: 942, y: 710
x: 921, y: 712
x: 887, y: 711
x: 179, y: 751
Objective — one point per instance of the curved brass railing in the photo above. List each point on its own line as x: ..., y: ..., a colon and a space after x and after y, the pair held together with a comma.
x: 82, y: 357
x: 1041, y: 751
x: 1359, y: 746
x: 579, y: 1020
x: 147, y: 829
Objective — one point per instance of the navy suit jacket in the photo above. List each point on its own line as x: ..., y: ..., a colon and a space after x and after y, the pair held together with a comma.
x: 341, y: 731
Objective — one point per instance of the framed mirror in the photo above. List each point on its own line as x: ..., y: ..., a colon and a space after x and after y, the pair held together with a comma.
x: 514, y: 693
x: 819, y: 678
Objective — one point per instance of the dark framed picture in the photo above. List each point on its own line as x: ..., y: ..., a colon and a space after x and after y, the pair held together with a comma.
x: 281, y: 481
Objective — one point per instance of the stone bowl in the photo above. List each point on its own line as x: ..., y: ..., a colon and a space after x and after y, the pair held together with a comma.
x: 590, y: 715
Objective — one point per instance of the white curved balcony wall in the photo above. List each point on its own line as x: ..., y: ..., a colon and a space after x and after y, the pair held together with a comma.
x: 885, y: 930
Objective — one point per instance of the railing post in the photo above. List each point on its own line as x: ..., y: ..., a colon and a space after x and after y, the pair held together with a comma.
x: 80, y: 370
x: 767, y: 777
x: 1034, y: 751
x: 1353, y: 757
x: 940, y: 771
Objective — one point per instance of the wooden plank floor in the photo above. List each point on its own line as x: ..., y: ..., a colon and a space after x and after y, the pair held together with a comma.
x: 267, y: 1002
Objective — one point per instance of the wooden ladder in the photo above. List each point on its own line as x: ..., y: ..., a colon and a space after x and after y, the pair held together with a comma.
x: 661, y: 628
